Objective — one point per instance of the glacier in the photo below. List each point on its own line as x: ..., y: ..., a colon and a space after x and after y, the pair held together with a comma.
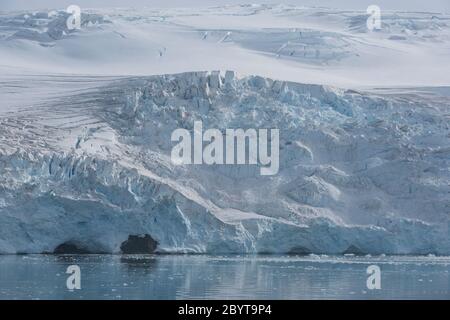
x: 86, y: 118
x: 360, y: 172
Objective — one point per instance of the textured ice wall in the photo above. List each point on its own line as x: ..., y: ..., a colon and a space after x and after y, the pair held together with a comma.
x: 359, y: 172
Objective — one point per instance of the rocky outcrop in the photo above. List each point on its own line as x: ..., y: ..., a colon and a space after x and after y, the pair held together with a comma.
x: 70, y: 248
x: 139, y: 245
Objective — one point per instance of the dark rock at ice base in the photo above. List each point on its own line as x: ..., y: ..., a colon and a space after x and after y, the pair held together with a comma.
x: 137, y: 244
x: 352, y: 249
x: 70, y: 248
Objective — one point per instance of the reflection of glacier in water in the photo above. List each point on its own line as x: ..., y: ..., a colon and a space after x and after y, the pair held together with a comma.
x: 223, y: 277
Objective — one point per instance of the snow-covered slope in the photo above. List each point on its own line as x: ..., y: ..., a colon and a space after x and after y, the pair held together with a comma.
x: 310, y: 45
x: 359, y: 172
x: 86, y: 118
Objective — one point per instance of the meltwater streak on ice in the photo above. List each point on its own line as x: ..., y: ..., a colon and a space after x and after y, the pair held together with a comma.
x: 223, y: 277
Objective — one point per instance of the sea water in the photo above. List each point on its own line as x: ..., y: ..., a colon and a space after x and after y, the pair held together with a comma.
x: 223, y: 277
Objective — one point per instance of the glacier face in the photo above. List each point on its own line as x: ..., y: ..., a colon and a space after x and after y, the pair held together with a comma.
x: 85, y: 150
x: 360, y: 171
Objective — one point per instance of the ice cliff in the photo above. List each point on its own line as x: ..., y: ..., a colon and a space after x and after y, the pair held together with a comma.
x: 360, y: 172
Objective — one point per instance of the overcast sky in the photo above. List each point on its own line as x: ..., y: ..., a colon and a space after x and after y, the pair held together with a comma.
x: 403, y: 5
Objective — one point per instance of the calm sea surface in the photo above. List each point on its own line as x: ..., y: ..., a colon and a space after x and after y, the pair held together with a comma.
x: 223, y: 277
